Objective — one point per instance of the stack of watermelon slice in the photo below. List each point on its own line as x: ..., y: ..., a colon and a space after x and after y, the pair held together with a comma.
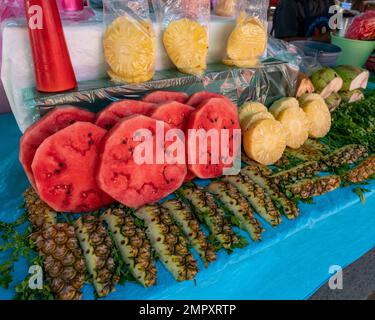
x: 79, y: 161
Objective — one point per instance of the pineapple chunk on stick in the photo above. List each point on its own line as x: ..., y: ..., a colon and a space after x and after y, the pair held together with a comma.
x: 186, y: 43
x: 189, y: 224
x: 289, y: 208
x: 97, y: 247
x: 134, y: 247
x: 212, y: 216
x: 57, y: 244
x: 257, y: 197
x: 237, y: 205
x: 314, y: 187
x: 169, y: 242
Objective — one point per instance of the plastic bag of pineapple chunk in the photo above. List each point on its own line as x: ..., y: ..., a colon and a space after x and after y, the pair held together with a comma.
x: 248, y: 41
x: 129, y: 41
x: 185, y: 35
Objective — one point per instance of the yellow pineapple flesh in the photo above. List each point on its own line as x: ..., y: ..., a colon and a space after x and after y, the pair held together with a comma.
x: 265, y: 141
x: 296, y: 126
x: 130, y: 50
x: 186, y: 43
x: 248, y: 39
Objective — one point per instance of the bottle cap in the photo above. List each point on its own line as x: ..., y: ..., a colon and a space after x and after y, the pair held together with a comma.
x: 72, y: 5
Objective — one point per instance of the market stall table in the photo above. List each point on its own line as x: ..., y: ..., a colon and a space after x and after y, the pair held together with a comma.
x: 291, y: 262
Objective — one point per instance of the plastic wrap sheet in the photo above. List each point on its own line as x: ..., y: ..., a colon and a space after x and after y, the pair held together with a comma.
x: 291, y: 261
x: 272, y: 80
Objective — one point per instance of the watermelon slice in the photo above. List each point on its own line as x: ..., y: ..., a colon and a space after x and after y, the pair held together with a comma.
x: 198, y: 98
x: 54, y: 121
x: 126, y: 180
x: 116, y: 111
x: 166, y: 96
x: 64, y: 168
x: 214, y: 114
x: 174, y: 113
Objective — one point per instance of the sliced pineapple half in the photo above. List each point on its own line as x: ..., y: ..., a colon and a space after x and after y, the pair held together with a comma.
x: 130, y: 50
x: 283, y: 104
x: 265, y: 141
x: 248, y: 39
x: 186, y: 43
x: 296, y: 126
x: 250, y: 108
x: 319, y: 118
x: 249, y: 121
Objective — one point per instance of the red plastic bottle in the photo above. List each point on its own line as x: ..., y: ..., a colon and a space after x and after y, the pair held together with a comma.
x: 53, y: 67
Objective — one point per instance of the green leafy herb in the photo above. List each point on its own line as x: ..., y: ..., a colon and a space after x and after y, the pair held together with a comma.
x: 361, y: 194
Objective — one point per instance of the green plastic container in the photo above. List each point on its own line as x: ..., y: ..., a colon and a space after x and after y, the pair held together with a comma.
x: 354, y: 52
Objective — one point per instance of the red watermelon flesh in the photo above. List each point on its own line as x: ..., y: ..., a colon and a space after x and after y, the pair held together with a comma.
x: 57, y: 119
x: 174, y: 113
x: 215, y: 114
x: 200, y: 97
x: 116, y: 111
x: 126, y: 181
x: 64, y: 168
x: 166, y: 96
x: 189, y: 176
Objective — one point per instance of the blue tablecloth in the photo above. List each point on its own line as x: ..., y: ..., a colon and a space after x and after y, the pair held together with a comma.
x: 291, y: 262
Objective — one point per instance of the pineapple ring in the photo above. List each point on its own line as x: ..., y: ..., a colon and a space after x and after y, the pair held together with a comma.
x: 265, y: 141
x: 283, y: 104
x: 250, y: 108
x: 296, y: 126
x: 186, y: 43
x: 130, y: 50
x: 241, y: 63
x: 248, y: 39
x: 319, y: 118
x: 308, y: 97
x: 250, y: 120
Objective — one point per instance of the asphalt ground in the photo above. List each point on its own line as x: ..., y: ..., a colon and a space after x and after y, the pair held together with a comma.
x: 358, y: 282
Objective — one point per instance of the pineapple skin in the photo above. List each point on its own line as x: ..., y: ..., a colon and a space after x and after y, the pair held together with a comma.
x: 346, y: 155
x: 97, y: 248
x: 169, y: 242
x: 189, y: 224
x: 133, y: 245
x: 57, y: 244
x: 289, y: 208
x: 266, y: 171
x: 233, y: 200
x: 302, y: 171
x: 362, y: 172
x: 209, y: 213
x: 257, y: 198
x: 314, y: 187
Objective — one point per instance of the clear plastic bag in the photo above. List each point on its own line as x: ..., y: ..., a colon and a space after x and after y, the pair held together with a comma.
x: 247, y: 43
x: 227, y: 8
x: 129, y: 41
x: 185, y: 32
